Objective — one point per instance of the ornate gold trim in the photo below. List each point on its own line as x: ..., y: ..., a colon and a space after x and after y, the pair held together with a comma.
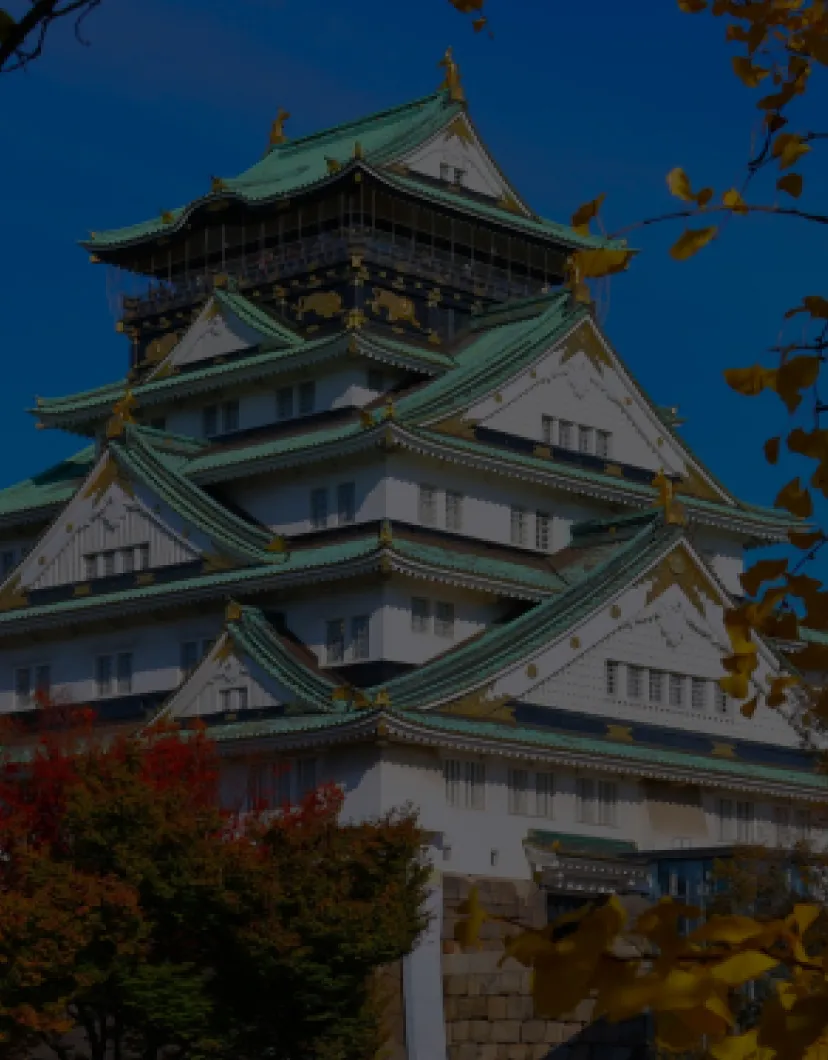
x: 214, y: 561
x: 110, y: 474
x: 277, y: 129
x: 233, y: 611
x: 459, y: 129
x: 723, y: 750
x: 477, y: 705
x: 688, y: 578
x: 584, y: 340
x: 10, y: 598
x: 621, y: 733
x: 456, y: 426
x: 451, y: 81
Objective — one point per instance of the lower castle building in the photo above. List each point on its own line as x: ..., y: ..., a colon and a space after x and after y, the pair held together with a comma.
x: 375, y: 498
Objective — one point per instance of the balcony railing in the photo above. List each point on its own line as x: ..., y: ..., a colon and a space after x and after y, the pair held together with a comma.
x: 316, y: 252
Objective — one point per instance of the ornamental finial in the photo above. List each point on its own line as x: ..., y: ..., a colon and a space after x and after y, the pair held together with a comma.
x: 451, y: 81
x: 123, y: 412
x: 277, y: 129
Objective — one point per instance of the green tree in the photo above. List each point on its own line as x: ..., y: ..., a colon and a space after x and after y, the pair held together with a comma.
x: 139, y: 919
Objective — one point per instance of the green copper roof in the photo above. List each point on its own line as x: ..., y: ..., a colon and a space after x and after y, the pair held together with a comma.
x: 298, y: 164
x: 255, y: 317
x: 91, y: 404
x: 55, y: 486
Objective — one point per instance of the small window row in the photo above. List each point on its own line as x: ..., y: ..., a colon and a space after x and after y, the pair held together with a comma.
x: 113, y: 561
x: 452, y: 174
x: 320, y: 512
x: 575, y: 436
x: 113, y: 676
x: 340, y: 648
x: 521, y: 519
x: 428, y: 507
x: 427, y: 617
x: 660, y: 686
x: 270, y: 785
x: 291, y: 403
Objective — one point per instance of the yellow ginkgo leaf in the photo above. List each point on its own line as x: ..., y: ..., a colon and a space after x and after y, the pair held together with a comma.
x: 766, y: 570
x: 742, y: 967
x: 587, y: 212
x: 679, y: 184
x: 813, y: 304
x: 779, y: 685
x: 691, y: 242
x: 733, y: 930
x: 771, y: 448
x: 592, y: 264
x: 805, y: 539
x: 795, y: 375
x: 747, y: 72
x: 467, y: 930
x: 734, y: 200
x: 791, y: 183
x: 692, y: 7
x: 794, y: 499
x: 736, y: 686
x: 750, y: 381
x: 802, y: 916
x: 747, y: 710
x: 736, y: 1047
x: 789, y: 148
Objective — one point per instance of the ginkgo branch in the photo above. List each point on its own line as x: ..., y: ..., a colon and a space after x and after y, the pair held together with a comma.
x: 676, y: 215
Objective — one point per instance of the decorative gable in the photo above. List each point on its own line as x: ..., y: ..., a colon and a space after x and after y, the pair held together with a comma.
x: 456, y: 155
x: 653, y: 654
x: 112, y: 526
x: 226, y: 681
x: 216, y: 332
x: 579, y: 397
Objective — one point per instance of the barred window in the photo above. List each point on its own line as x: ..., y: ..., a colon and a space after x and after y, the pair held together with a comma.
x: 319, y: 508
x: 656, y: 686
x: 542, y: 531
x: 635, y: 682
x: 518, y: 526
x: 307, y: 397
x: 565, y: 434
x: 611, y: 677
x: 335, y: 640
x: 284, y: 403
x: 698, y: 693
x: 547, y: 428
x: 584, y: 439
x: 465, y: 784
x: 346, y: 502
x: 676, y: 690
x: 444, y: 619
x: 420, y: 614
x: 602, y: 443
x: 359, y: 637
x: 454, y: 510
x: 428, y: 505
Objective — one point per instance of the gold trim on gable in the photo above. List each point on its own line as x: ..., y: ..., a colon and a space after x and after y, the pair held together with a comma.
x: 621, y: 733
x: 110, y: 474
x: 694, y: 485
x: 456, y: 426
x: 459, y: 129
x: 10, y: 598
x: 584, y: 340
x: 679, y: 569
x: 477, y: 705
x: 723, y: 750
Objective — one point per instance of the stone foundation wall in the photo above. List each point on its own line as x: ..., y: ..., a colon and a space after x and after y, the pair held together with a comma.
x: 489, y: 1011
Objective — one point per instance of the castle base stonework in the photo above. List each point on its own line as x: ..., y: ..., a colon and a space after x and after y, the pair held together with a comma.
x: 489, y: 1013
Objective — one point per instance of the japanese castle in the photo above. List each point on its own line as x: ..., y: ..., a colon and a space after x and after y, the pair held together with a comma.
x: 376, y: 497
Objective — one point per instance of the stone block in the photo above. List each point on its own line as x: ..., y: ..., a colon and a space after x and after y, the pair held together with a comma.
x: 533, y: 1031
x: 511, y: 982
x: 525, y: 980
x: 538, y: 1052
x: 507, y: 1031
x: 450, y: 1005
x: 569, y: 1030
x: 480, y: 1031
x: 458, y: 1031
x: 555, y: 1032
x: 487, y: 1052
x: 474, y: 987
x: 496, y: 1008
x: 456, y: 985
x: 519, y: 1008
x: 517, y: 1052
x: 467, y: 1051
x: 472, y: 961
x: 450, y: 946
x: 471, y: 1008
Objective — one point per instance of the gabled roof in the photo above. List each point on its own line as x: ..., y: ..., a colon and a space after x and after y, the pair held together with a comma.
x: 37, y: 497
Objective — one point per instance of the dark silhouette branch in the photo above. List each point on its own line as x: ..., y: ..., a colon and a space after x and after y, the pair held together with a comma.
x: 22, y: 41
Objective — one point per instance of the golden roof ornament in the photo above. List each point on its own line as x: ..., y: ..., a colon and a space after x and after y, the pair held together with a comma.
x: 123, y: 412
x: 277, y: 130
x: 233, y: 612
x: 451, y: 82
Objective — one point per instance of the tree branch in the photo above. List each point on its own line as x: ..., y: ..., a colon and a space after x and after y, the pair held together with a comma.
x: 783, y: 211
x: 15, y: 50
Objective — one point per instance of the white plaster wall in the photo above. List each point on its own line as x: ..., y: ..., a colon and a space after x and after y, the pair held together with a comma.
x: 480, y: 175
x: 156, y: 658
x: 307, y: 618
x: 726, y: 556
x: 336, y: 387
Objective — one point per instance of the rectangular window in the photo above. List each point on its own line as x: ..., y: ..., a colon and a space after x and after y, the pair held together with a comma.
x: 721, y: 699
x: 698, y: 693
x: 319, y: 508
x: 459, y: 176
x: 307, y: 397
x: 209, y: 420
x: 585, y: 800
x: 427, y: 505
x: 676, y: 690
x: 802, y: 825
x: 544, y: 794
x: 611, y: 677
x: 284, y: 403
x: 233, y: 699
x: 43, y: 679
x: 565, y: 430
x: 465, y: 784
x: 602, y: 443
x: 724, y: 811
x: 656, y: 686
x: 23, y: 686
x: 518, y: 780
x: 7, y: 560
x: 335, y: 640
x: 444, y: 619
x: 420, y: 614
x: 359, y: 637
x: 782, y: 821
x: 230, y: 416
x: 127, y: 560
x: 103, y: 674
x: 584, y: 439
x: 547, y: 429
x: 744, y: 822
x: 445, y: 171
x: 90, y: 567
x: 124, y: 666
x: 108, y: 564
x: 189, y: 656
x: 518, y: 526
x: 376, y: 380
x: 142, y: 557
x: 305, y: 776
x: 542, y: 531
x: 635, y: 682
x: 607, y: 803
x: 345, y: 503
x: 454, y: 510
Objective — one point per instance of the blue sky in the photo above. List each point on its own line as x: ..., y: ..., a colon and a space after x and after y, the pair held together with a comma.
x: 572, y: 99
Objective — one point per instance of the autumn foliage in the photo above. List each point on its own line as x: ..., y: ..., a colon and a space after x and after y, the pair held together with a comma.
x: 140, y: 919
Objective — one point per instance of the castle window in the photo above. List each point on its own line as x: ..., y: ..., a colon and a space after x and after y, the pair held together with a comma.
x: 676, y: 690
x: 232, y: 699
x: 745, y: 821
x: 307, y: 397
x: 530, y: 794
x: 359, y: 637
x: 319, y: 508
x: 459, y: 176
x: 454, y: 510
x: 345, y: 503
x: 428, y: 505
x: 420, y: 614
x: 721, y: 699
x: 547, y: 428
x: 108, y: 564
x: 444, y: 619
x: 596, y: 803
x: 335, y: 640
x: 782, y: 820
x: 584, y: 439
x: 656, y: 686
x: 192, y: 652
x: 127, y: 561
x: 29, y: 680
x: 565, y: 434
x: 230, y: 416
x: 542, y: 531
x: 518, y: 526
x: 209, y: 421
x: 602, y: 443
x: 802, y: 824
x: 611, y: 677
x: 305, y: 776
x: 635, y: 682
x: 698, y: 693
x: 142, y: 557
x: 445, y: 171
x: 465, y: 784
x: 284, y: 403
